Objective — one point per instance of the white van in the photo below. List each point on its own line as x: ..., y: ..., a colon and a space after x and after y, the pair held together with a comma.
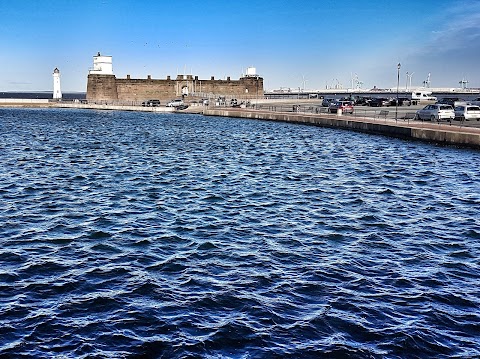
x: 421, y: 95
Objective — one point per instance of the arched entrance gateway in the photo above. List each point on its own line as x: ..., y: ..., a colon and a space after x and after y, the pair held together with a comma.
x: 184, y: 85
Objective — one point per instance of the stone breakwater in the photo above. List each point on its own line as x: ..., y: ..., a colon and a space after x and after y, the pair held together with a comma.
x: 431, y: 132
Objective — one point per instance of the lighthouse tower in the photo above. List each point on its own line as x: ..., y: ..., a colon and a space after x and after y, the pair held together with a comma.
x: 57, y: 93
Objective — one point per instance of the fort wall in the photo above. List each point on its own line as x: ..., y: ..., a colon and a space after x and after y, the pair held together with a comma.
x: 102, y: 87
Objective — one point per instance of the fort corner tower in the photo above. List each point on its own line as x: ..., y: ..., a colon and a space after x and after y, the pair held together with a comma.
x: 57, y: 92
x: 101, y: 80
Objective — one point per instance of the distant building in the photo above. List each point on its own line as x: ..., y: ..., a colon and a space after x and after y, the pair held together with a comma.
x: 57, y: 92
x: 103, y: 86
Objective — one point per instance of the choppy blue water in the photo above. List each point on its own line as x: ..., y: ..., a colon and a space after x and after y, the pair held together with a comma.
x: 182, y: 236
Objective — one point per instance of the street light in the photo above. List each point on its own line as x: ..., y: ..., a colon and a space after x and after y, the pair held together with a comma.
x: 398, y: 82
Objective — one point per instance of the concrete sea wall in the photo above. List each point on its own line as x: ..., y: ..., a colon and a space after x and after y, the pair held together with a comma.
x: 23, y: 101
x: 431, y: 132
x: 92, y: 106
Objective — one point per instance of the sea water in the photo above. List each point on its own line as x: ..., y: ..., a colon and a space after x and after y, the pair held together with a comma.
x: 127, y: 234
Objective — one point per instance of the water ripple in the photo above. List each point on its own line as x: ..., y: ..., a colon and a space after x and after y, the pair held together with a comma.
x: 147, y: 235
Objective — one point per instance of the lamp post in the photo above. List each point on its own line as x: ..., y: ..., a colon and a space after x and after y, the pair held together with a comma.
x: 256, y: 97
x: 398, y: 83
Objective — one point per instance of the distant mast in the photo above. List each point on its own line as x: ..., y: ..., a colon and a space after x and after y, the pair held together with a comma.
x: 57, y: 92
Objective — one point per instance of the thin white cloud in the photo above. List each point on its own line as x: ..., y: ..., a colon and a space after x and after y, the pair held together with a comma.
x: 450, y: 49
x: 459, y: 28
x: 19, y: 83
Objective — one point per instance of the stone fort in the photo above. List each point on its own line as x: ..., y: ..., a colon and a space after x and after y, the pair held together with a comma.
x: 103, y: 86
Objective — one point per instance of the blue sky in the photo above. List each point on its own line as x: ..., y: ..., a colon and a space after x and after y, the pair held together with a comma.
x: 322, y: 42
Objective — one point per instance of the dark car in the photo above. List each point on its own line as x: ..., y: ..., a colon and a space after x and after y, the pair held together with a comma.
x: 379, y: 102
x: 327, y: 101
x: 151, y: 103
x: 450, y: 101
x: 362, y: 101
x: 402, y: 101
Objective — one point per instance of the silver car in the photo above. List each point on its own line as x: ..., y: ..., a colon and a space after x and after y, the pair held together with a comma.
x: 175, y: 103
x: 436, y: 112
x: 467, y: 112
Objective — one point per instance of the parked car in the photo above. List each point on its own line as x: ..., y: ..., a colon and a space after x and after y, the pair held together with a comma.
x: 221, y: 101
x: 467, y: 112
x: 362, y: 101
x: 379, y: 102
x: 436, y: 112
x: 327, y: 101
x: 402, y: 101
x: 449, y: 101
x: 175, y: 103
x: 345, y: 106
x: 151, y: 103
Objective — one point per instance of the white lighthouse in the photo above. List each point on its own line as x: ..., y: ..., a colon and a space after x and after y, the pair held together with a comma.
x: 57, y: 93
